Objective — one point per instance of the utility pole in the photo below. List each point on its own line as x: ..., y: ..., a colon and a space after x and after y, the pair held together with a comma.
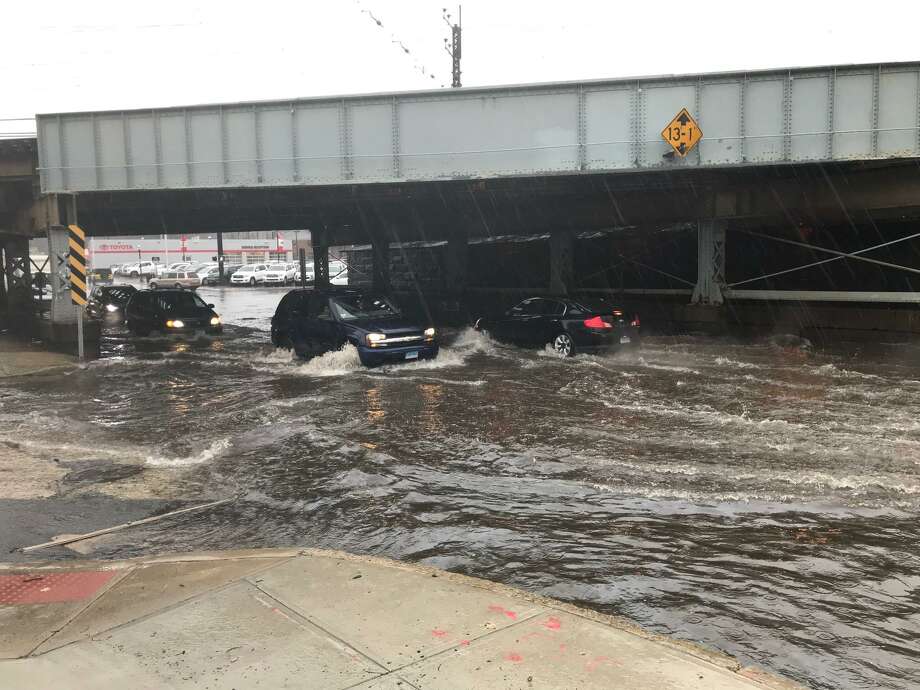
x: 453, y: 48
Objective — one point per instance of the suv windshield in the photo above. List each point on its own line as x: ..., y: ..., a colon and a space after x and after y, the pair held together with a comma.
x: 180, y: 302
x: 350, y: 307
x: 117, y: 295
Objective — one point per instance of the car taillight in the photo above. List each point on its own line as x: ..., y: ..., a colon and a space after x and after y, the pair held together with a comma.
x: 597, y: 322
x: 635, y: 321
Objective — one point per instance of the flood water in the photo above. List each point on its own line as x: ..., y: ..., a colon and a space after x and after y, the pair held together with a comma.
x: 760, y: 497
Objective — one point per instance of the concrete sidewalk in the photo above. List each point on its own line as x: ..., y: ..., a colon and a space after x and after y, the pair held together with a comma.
x: 19, y: 358
x: 319, y: 619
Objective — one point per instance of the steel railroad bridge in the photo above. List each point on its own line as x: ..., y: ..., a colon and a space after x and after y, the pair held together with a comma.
x: 800, y: 172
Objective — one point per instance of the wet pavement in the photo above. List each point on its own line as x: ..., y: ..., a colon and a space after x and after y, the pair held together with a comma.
x: 758, y: 497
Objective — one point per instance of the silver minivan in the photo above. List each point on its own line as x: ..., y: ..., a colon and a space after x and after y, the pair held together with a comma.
x: 176, y: 279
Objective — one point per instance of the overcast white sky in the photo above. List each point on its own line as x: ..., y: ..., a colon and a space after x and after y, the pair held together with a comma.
x: 101, y: 54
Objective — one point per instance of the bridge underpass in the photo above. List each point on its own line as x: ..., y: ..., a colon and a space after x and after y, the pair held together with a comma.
x: 823, y: 158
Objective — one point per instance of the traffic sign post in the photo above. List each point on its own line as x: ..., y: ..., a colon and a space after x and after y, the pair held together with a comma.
x: 78, y: 291
x: 682, y: 133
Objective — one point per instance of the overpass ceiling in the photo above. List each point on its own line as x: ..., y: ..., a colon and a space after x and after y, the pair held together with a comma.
x: 750, y: 119
x: 781, y: 195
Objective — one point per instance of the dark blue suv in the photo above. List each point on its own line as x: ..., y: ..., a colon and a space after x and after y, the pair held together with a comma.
x: 314, y: 321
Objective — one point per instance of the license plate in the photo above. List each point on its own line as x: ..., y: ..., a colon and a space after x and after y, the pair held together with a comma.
x: 412, y: 355
x: 625, y: 340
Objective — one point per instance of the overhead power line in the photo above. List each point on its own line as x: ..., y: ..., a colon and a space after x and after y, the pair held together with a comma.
x: 417, y: 64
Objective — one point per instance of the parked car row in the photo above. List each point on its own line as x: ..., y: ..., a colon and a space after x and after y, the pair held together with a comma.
x: 286, y: 274
x: 208, y: 271
x: 192, y: 275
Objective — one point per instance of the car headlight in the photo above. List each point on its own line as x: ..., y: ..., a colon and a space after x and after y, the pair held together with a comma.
x: 215, y: 320
x: 429, y: 333
x: 374, y: 338
x: 111, y: 307
x: 175, y: 324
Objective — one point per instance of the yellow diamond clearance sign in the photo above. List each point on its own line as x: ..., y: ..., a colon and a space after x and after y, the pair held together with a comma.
x: 682, y: 133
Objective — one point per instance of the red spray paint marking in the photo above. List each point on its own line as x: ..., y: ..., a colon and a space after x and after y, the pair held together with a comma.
x: 505, y: 612
x: 552, y: 623
x: 464, y: 643
x: 51, y: 588
x: 592, y: 665
x: 437, y: 632
x: 514, y: 657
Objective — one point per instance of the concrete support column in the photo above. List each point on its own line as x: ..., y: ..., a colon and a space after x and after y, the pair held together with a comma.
x: 710, y: 265
x: 320, y: 258
x: 458, y: 253
x: 561, y: 262
x: 380, y: 249
x: 62, y: 309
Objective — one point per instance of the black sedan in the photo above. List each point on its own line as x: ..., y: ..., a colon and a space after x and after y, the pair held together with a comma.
x: 314, y: 321
x: 108, y: 301
x: 170, y: 312
x: 568, y: 326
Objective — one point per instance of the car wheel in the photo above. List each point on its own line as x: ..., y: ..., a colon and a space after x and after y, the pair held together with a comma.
x: 563, y: 345
x: 284, y: 342
x: 178, y: 286
x: 300, y: 351
x: 154, y: 286
x: 252, y: 282
x: 134, y: 274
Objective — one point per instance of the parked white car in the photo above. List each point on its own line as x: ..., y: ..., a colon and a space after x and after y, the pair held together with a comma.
x: 338, y: 273
x: 203, y: 269
x: 311, y: 274
x: 142, y: 268
x: 179, y: 266
x: 279, y: 274
x: 251, y: 274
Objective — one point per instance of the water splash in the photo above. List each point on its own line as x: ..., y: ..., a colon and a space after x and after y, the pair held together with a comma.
x: 212, y: 451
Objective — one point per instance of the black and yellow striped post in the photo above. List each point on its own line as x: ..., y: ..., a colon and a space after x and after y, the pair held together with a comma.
x: 77, y: 263
x: 78, y: 291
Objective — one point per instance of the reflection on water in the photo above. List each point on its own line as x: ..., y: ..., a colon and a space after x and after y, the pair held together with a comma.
x: 429, y: 415
x: 761, y: 499
x: 373, y: 404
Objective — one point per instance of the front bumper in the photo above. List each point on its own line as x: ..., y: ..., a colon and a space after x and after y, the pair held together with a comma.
x: 192, y: 330
x: 373, y: 356
x: 274, y: 281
